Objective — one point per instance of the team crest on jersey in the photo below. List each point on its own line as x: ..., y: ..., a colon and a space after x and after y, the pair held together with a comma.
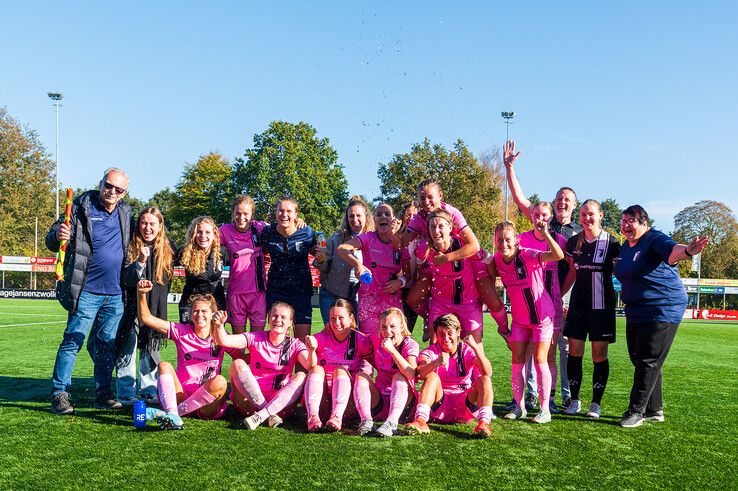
x: 258, y: 365
x: 188, y: 356
x: 635, y: 256
x: 322, y: 362
x: 298, y: 246
x: 373, y: 265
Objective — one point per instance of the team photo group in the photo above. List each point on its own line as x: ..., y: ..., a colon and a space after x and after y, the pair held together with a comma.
x: 381, y: 273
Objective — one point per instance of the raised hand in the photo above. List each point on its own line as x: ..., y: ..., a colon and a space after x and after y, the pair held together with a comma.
x: 144, y: 286
x: 469, y: 340
x: 509, y: 153
x: 64, y: 232
x: 311, y: 343
x: 542, y: 226
x: 697, y: 245
x: 388, y: 345
x: 144, y: 254
x: 444, y: 358
x: 220, y: 317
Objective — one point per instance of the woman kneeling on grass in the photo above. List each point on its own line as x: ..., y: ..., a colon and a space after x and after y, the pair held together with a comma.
x: 393, y: 392
x: 266, y: 387
x: 341, y: 352
x: 196, y: 386
x: 457, y: 381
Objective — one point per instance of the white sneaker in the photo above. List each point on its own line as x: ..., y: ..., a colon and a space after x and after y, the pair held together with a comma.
x: 542, y: 417
x: 594, y: 410
x: 365, y: 427
x: 574, y: 407
x: 387, y: 429
x: 517, y: 413
x: 253, y: 421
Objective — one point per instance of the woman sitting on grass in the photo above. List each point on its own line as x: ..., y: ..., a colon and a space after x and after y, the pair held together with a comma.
x: 457, y: 381
x: 196, y: 386
x: 265, y: 387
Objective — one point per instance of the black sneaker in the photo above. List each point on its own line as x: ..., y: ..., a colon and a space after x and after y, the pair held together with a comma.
x: 631, y: 420
x: 106, y: 400
x: 656, y: 417
x: 60, y: 404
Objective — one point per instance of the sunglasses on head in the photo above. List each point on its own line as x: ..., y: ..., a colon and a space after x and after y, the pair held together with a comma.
x: 110, y: 187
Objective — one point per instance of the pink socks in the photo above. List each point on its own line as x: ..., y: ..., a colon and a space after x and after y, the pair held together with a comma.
x: 543, y: 375
x: 286, y: 396
x: 485, y: 414
x: 247, y: 385
x: 313, y: 393
x: 200, y: 398
x: 167, y: 393
x: 340, y: 395
x: 398, y: 400
x: 422, y: 412
x: 518, y: 383
x: 362, y: 399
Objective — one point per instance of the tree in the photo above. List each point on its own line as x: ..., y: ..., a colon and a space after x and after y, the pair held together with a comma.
x: 165, y: 201
x: 717, y: 221
x: 290, y: 160
x: 471, y: 185
x: 203, y: 189
x: 612, y: 216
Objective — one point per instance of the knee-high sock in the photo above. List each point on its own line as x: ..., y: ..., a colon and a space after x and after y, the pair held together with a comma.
x: 167, y: 393
x: 500, y: 318
x: 286, y: 396
x: 518, y: 382
x: 485, y: 414
x: 422, y: 411
x: 340, y: 394
x: 313, y: 393
x: 248, y: 386
x: 554, y: 370
x: 574, y: 370
x: 398, y: 400
x: 599, y: 379
x: 543, y: 375
x: 363, y: 400
x: 200, y: 398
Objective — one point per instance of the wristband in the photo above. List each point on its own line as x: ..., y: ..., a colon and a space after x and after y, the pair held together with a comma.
x: 403, y: 280
x: 686, y: 251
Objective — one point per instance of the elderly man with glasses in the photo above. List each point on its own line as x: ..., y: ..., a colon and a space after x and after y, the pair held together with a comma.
x: 98, y: 235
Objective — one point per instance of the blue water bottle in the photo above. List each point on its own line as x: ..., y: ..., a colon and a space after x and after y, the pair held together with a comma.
x: 366, y: 277
x: 139, y: 414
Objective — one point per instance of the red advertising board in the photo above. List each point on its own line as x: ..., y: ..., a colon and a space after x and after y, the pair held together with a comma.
x: 715, y: 315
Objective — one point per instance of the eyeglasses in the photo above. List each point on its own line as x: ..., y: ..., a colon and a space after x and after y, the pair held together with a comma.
x: 110, y: 187
x: 628, y: 221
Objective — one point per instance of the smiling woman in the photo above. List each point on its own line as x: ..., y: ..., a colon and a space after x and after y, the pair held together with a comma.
x: 654, y: 300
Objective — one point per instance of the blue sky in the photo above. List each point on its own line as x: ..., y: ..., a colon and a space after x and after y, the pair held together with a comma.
x: 631, y: 100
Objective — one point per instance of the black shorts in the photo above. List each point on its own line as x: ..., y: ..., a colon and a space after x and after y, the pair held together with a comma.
x: 301, y: 302
x: 599, y: 325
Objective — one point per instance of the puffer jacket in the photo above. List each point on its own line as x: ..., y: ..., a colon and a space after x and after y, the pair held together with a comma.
x: 79, y: 246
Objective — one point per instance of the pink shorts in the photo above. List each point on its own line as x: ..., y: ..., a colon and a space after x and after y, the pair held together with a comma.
x: 384, y: 386
x: 470, y: 315
x: 247, y: 306
x: 370, y: 308
x: 522, y: 333
x: 189, y: 390
x: 454, y: 408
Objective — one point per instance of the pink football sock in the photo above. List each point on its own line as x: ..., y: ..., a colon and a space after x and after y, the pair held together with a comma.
x: 422, y: 412
x: 340, y: 394
x: 313, y: 393
x: 543, y: 376
x: 167, y: 393
x: 485, y: 414
x: 398, y: 400
x: 248, y: 386
x: 200, y: 398
x: 518, y: 383
x: 286, y: 396
x: 363, y: 400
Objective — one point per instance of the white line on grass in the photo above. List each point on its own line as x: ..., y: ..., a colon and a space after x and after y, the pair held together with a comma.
x: 36, y: 314
x: 33, y: 324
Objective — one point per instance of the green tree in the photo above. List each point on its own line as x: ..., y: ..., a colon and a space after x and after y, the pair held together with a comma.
x: 203, y: 189
x: 470, y: 184
x: 612, y: 215
x: 717, y: 221
x: 165, y: 201
x: 289, y: 159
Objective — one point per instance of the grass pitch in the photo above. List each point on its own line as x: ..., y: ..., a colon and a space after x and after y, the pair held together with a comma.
x: 697, y: 446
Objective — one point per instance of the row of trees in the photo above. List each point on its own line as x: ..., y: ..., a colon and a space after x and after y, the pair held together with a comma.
x: 290, y: 159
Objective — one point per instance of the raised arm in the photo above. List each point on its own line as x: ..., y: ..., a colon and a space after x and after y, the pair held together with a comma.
x: 222, y: 338
x: 345, y: 252
x: 406, y: 366
x: 524, y: 204
x: 425, y: 367
x: 554, y: 252
x: 145, y: 316
x: 681, y: 252
x: 481, y: 362
x: 471, y: 246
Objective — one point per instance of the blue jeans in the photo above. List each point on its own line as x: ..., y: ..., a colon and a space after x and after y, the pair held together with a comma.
x: 325, y: 299
x: 103, y: 312
x: 130, y: 377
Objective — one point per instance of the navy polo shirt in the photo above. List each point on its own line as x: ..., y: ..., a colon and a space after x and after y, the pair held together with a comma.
x: 103, y: 269
x: 289, y: 271
x: 652, y: 291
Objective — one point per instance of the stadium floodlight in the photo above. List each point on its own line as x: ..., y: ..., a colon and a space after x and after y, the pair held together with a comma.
x: 56, y: 97
x: 507, y: 115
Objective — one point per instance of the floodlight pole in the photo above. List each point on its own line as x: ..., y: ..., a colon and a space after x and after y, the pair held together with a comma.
x: 507, y: 115
x: 56, y: 97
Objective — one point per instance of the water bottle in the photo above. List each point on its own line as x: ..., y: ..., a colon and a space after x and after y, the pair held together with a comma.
x: 322, y: 243
x: 366, y: 277
x: 139, y: 414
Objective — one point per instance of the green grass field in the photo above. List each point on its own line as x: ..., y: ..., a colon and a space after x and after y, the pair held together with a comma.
x: 695, y: 448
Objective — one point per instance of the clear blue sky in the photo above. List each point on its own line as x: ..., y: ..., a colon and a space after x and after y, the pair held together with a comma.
x: 631, y: 100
